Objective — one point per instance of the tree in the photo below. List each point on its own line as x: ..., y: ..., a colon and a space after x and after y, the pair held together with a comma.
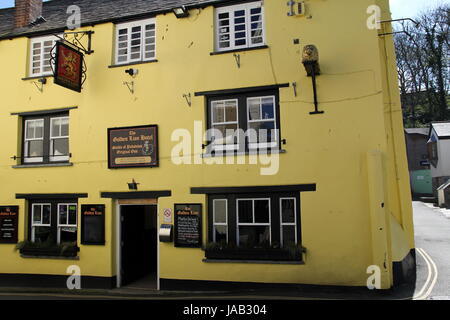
x: 424, y: 68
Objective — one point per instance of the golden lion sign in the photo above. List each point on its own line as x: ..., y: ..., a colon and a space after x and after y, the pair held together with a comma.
x: 68, y: 67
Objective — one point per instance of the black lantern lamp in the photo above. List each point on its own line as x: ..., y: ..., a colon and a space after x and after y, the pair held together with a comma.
x: 310, y: 60
x: 181, y: 12
x: 133, y: 185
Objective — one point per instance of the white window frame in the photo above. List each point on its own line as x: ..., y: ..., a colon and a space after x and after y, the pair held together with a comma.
x: 129, y: 26
x: 244, y: 224
x: 263, y: 145
x: 223, y: 224
x: 27, y: 159
x: 53, y: 138
x: 231, y: 10
x: 231, y: 146
x: 41, y: 60
x: 66, y: 225
x: 33, y: 224
x: 282, y: 224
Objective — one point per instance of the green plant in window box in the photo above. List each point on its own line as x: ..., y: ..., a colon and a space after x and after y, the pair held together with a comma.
x: 48, y: 249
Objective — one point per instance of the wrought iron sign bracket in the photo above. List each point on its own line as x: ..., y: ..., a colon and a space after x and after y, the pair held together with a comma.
x: 74, y: 39
x: 397, y: 32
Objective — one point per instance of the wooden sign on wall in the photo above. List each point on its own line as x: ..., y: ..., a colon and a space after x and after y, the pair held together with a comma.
x: 68, y: 67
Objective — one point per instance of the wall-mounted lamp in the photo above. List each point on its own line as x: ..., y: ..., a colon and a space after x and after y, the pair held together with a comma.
x: 133, y: 185
x: 310, y: 60
x: 181, y: 12
x: 132, y: 72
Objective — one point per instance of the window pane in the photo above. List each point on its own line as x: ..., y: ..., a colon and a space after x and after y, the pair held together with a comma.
x: 30, y: 125
x: 227, y: 135
x: 56, y: 125
x: 230, y: 111
x: 254, y: 109
x: 39, y: 129
x: 262, y: 211
x: 64, y: 127
x: 72, y: 215
x: 288, y: 235
x: 68, y: 234
x: 37, y: 214
x: 220, y: 233
x: 218, y: 112
x: 268, y: 108
x: 288, y: 211
x: 62, y: 214
x: 42, y: 234
x: 264, y: 131
x: 220, y: 211
x: 46, y: 214
x: 245, y: 211
x: 60, y: 147
x: 35, y: 148
x: 253, y: 237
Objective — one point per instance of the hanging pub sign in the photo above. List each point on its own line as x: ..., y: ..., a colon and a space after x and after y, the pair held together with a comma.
x: 93, y: 224
x: 68, y: 67
x: 133, y: 147
x: 188, y: 225
x: 9, y: 223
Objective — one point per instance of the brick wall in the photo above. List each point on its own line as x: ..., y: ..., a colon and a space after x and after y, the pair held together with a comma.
x: 27, y: 11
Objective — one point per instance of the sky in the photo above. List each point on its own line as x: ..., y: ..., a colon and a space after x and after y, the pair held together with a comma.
x: 399, y: 8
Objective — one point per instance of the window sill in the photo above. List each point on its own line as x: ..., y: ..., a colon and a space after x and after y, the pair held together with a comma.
x: 253, y: 261
x: 245, y: 153
x: 132, y: 63
x: 38, y: 77
x: 239, y: 50
x: 43, y: 165
x: 49, y: 257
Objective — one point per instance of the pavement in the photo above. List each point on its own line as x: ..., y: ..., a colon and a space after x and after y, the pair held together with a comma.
x: 432, y: 235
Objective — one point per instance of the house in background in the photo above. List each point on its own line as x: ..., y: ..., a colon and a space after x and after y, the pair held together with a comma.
x: 418, y: 164
x: 439, y: 153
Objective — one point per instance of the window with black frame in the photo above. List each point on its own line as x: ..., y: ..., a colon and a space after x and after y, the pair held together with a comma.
x: 53, y: 222
x: 254, y: 226
x: 243, y: 122
x: 46, y: 139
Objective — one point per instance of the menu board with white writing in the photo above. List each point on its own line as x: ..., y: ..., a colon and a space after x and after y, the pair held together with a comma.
x: 9, y: 223
x: 188, y: 225
x: 93, y: 224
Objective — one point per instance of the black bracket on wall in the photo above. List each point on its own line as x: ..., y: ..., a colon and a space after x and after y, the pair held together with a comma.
x: 74, y: 38
x: 313, y: 72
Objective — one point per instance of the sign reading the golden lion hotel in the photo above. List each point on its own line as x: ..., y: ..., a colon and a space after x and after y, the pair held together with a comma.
x: 133, y: 147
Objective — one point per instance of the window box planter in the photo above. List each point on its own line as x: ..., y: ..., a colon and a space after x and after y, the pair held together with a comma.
x: 32, y: 250
x: 267, y: 254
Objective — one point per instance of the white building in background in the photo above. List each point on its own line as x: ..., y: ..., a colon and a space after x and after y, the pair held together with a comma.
x: 439, y: 153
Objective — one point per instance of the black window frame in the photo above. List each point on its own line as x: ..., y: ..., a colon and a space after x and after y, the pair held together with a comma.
x: 241, y: 97
x: 275, y: 219
x: 46, y: 138
x: 53, y: 216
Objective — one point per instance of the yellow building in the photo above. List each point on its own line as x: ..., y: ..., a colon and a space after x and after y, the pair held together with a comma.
x: 141, y: 174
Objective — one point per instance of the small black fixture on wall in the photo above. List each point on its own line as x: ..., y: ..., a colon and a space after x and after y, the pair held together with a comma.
x: 181, y: 12
x: 133, y: 185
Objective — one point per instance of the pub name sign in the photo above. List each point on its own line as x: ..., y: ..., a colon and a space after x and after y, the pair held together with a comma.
x: 133, y: 147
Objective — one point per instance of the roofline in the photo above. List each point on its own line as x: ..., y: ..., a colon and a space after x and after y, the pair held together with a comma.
x: 149, y: 14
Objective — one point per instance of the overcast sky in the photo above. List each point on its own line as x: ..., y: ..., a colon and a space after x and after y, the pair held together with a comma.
x: 399, y: 8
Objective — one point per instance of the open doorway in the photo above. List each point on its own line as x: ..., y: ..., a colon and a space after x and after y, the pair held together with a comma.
x: 138, y: 254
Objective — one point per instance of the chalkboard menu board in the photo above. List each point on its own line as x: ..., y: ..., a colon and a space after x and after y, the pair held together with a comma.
x: 93, y: 224
x: 133, y: 147
x: 188, y: 225
x: 9, y: 223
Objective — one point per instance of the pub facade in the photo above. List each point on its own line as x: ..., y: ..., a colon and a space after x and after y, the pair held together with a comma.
x: 201, y: 144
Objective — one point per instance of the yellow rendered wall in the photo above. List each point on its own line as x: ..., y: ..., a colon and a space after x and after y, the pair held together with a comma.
x: 329, y: 150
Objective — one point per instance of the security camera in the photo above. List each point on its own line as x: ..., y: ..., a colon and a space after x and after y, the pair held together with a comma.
x: 132, y: 72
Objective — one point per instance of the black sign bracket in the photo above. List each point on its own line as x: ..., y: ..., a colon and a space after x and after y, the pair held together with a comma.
x: 74, y: 39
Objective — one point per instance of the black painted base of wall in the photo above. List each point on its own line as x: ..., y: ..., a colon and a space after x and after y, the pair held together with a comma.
x: 404, y: 271
x: 54, y: 281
